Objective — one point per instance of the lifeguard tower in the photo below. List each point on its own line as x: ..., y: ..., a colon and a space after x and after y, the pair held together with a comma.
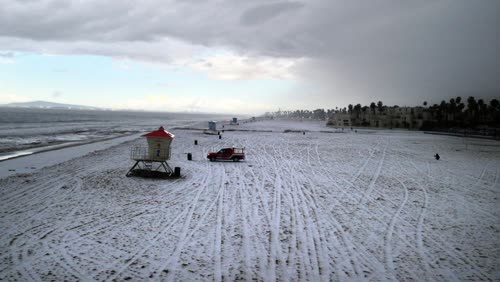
x: 152, y: 160
x: 212, y: 125
x: 212, y: 128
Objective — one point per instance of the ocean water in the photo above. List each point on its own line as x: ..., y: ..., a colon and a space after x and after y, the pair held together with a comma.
x: 26, y: 129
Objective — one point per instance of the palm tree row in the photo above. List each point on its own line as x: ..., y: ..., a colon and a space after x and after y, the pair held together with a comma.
x: 469, y: 113
x: 454, y: 113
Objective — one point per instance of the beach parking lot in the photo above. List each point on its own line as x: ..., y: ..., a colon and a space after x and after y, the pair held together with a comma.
x: 320, y: 206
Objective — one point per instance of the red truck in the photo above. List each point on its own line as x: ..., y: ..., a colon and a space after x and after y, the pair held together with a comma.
x: 235, y: 154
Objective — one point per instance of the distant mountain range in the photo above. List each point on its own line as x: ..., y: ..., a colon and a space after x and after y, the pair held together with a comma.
x: 49, y: 105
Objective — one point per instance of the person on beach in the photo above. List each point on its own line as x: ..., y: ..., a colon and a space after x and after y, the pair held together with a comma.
x: 437, y: 156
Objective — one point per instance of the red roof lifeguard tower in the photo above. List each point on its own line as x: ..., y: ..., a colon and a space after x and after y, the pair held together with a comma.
x: 157, y: 151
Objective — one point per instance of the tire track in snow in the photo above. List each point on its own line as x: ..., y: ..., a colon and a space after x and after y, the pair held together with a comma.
x: 361, y: 253
x: 344, y: 246
x: 439, y: 242
x: 301, y: 204
x: 275, y: 246
x: 308, y: 199
x: 311, y: 220
x: 160, y: 234
x: 362, y: 168
x: 173, y: 260
x: 363, y: 200
x: 366, y: 254
x: 169, y: 264
x: 420, y: 233
x: 21, y: 245
x: 388, y: 236
x: 245, y: 228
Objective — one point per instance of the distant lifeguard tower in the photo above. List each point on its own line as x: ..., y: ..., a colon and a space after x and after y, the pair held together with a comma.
x: 212, y: 125
x: 152, y: 159
x: 212, y: 128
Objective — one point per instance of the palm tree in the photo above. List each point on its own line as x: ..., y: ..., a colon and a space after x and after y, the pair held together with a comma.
x: 357, y: 109
x: 452, y: 108
x: 471, y: 109
x: 471, y: 104
x: 373, y: 106
x: 460, y: 109
x: 442, y: 110
x: 380, y: 106
x: 494, y: 104
x: 482, y: 107
x: 494, y: 110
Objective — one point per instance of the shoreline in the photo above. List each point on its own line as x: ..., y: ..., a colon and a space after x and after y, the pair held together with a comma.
x: 33, y: 162
x: 36, y: 150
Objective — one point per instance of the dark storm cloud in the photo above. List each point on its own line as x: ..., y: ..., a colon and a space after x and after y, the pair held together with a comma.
x: 396, y: 51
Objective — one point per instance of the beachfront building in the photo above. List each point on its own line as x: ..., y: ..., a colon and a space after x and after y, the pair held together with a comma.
x: 385, y: 117
x: 340, y: 120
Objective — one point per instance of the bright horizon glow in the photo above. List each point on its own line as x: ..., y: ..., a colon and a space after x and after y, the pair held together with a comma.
x: 246, y: 87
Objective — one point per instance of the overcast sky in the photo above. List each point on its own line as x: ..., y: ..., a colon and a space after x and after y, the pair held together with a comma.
x: 248, y: 56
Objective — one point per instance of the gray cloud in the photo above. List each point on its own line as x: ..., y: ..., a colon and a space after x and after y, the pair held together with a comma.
x: 355, y: 51
x: 7, y: 55
x: 266, y: 12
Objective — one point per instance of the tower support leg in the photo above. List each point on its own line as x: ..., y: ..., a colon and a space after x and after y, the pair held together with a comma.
x: 130, y: 171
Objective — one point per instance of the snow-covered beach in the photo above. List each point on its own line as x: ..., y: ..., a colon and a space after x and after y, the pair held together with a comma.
x: 320, y: 206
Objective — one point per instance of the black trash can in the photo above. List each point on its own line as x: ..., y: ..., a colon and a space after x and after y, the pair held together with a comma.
x: 177, y: 171
x: 190, y: 156
x: 220, y: 136
x: 196, y: 142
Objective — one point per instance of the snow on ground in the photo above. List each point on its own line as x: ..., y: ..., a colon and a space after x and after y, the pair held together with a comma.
x: 372, y: 205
